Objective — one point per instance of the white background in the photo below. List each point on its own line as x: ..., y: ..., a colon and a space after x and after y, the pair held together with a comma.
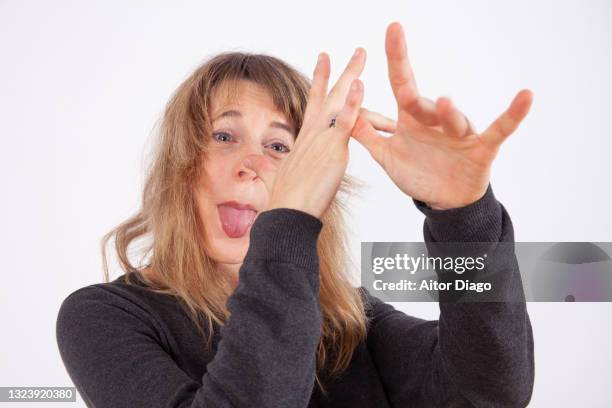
x: 83, y: 83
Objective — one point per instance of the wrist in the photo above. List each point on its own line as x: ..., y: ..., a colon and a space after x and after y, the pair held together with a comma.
x: 479, y: 221
x: 285, y: 235
x: 435, y: 207
x: 293, y: 205
x: 450, y: 206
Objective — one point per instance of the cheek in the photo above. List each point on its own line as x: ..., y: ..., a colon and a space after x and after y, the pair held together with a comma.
x: 204, y: 204
x: 207, y: 191
x: 216, y: 180
x: 206, y: 209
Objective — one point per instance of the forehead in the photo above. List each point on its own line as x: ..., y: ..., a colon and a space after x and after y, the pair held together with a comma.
x: 242, y: 93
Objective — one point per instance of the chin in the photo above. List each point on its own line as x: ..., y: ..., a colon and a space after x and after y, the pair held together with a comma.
x: 224, y: 249
x: 232, y: 250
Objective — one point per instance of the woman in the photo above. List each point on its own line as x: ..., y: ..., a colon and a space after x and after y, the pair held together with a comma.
x: 245, y: 300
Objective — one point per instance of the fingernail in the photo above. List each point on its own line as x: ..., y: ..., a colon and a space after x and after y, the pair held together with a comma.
x: 357, y: 52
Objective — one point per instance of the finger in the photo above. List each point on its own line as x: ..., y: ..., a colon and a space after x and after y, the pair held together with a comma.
x: 424, y: 111
x: 353, y: 69
x: 318, y: 88
x: 400, y: 71
x: 350, y: 112
x: 454, y: 123
x: 509, y: 121
x: 368, y: 137
x: 260, y: 166
x: 378, y: 121
x: 402, y: 79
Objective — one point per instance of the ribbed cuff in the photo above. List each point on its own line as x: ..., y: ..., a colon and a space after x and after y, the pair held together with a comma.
x: 480, y: 221
x: 285, y: 235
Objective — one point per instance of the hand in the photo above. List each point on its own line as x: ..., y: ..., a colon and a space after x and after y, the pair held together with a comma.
x: 309, y: 177
x: 435, y: 155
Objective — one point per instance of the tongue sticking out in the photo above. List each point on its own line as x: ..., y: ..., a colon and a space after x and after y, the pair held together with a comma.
x: 235, y: 222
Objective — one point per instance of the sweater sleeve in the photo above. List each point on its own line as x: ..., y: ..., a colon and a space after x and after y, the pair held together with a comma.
x: 478, y: 353
x: 267, y: 354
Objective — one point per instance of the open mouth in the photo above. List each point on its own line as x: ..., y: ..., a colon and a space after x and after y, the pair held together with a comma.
x: 236, y: 218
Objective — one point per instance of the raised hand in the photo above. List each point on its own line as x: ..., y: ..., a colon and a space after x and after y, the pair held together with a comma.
x: 309, y: 177
x: 435, y: 155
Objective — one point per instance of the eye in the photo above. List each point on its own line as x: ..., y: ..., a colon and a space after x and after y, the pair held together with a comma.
x: 283, y: 147
x: 224, y: 134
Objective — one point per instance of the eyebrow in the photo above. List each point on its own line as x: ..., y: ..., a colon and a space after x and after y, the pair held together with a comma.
x: 237, y: 114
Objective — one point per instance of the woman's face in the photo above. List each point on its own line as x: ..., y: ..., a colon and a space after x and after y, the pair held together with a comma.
x: 229, y: 196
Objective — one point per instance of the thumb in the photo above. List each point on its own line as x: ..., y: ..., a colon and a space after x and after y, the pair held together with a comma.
x: 263, y: 168
x: 368, y: 137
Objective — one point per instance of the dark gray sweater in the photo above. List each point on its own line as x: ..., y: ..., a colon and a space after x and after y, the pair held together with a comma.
x: 125, y: 346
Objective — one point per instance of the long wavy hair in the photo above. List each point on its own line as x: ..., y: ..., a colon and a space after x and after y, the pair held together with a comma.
x: 175, y: 258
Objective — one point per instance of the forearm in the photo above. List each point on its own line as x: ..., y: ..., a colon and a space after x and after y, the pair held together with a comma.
x: 267, y: 354
x: 486, y: 348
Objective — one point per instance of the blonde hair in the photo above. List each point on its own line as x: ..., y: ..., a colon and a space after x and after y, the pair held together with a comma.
x: 178, y: 263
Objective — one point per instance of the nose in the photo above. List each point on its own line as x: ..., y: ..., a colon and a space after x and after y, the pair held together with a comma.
x: 246, y: 164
